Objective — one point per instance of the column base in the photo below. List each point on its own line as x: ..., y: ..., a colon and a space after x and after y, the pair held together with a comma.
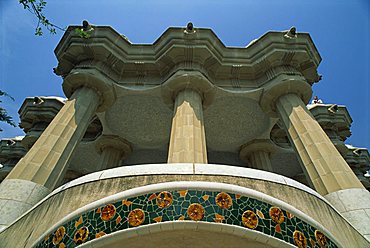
x: 16, y: 197
x: 354, y: 205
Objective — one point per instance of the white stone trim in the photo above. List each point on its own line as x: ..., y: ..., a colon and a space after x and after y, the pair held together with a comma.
x: 187, y: 169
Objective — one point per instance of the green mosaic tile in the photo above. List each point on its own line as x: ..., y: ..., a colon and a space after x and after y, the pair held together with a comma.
x: 210, y: 211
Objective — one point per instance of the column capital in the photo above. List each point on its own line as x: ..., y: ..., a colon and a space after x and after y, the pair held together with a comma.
x: 182, y: 80
x: 282, y: 85
x: 93, y: 79
x: 113, y: 142
x: 264, y: 145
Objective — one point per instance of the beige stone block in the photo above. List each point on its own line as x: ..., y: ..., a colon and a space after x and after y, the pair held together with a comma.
x: 187, y: 133
x: 330, y: 182
x: 314, y: 147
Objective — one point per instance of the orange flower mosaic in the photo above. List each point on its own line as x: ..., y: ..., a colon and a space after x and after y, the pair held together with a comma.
x: 108, y: 212
x: 195, y: 211
x: 249, y: 219
x: 276, y: 215
x: 196, y: 205
x: 58, y: 235
x: 320, y: 238
x: 136, y: 217
x: 223, y: 200
x: 81, y: 235
x: 164, y: 199
x: 299, y: 239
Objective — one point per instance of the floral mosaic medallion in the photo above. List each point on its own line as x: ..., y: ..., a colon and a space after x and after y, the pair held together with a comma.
x: 108, y: 212
x: 299, y: 239
x: 196, y: 211
x: 81, y: 235
x: 136, y: 217
x: 320, y: 238
x: 250, y: 219
x: 186, y: 205
x: 58, y: 235
x: 223, y: 200
x: 164, y: 199
x: 276, y: 215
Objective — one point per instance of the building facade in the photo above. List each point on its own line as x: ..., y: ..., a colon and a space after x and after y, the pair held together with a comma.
x: 184, y: 142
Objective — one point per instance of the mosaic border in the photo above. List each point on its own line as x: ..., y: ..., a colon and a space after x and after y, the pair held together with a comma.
x: 188, y: 204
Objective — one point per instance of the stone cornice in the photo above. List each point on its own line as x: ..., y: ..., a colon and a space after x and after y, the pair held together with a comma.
x: 340, y: 122
x: 175, y: 50
x: 31, y: 112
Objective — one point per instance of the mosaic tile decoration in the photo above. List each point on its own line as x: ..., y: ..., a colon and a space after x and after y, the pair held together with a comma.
x: 196, y: 205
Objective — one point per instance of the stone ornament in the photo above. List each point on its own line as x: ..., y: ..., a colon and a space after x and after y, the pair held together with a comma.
x: 276, y: 215
x: 108, y: 212
x: 81, y: 235
x: 223, y: 200
x: 249, y: 219
x: 196, y: 211
x: 320, y: 238
x: 164, y: 199
x: 58, y: 235
x: 136, y: 217
x: 192, y: 205
x: 299, y: 239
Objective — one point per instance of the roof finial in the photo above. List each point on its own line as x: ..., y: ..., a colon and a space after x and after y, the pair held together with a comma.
x: 292, y: 33
x: 189, y: 28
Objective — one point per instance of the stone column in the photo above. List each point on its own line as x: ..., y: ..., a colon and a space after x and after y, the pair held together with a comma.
x: 112, y: 149
x: 328, y: 171
x: 188, y: 92
x: 45, y: 164
x: 326, y: 168
x: 187, y: 141
x: 257, y: 153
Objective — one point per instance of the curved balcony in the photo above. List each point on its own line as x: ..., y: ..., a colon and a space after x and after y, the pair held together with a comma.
x: 182, y: 205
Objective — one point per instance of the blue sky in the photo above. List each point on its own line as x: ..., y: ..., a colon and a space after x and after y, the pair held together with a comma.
x: 340, y: 30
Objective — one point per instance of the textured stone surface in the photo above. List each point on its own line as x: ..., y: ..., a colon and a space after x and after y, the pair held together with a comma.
x: 47, y: 161
x: 63, y: 203
x: 354, y: 205
x: 187, y: 141
x: 326, y: 168
x: 16, y: 197
x: 112, y: 149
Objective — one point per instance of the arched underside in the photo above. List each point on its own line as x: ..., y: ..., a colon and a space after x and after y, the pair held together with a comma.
x: 186, y: 234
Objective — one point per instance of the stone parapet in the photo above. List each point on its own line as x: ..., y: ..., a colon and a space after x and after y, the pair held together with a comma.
x: 300, y: 201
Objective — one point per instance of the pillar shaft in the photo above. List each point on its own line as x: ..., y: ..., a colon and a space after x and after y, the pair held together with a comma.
x: 46, y: 162
x: 326, y: 168
x: 110, y: 158
x: 260, y: 160
x: 187, y: 141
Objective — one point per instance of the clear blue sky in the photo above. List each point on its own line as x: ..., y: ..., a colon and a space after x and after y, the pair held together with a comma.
x: 339, y: 28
